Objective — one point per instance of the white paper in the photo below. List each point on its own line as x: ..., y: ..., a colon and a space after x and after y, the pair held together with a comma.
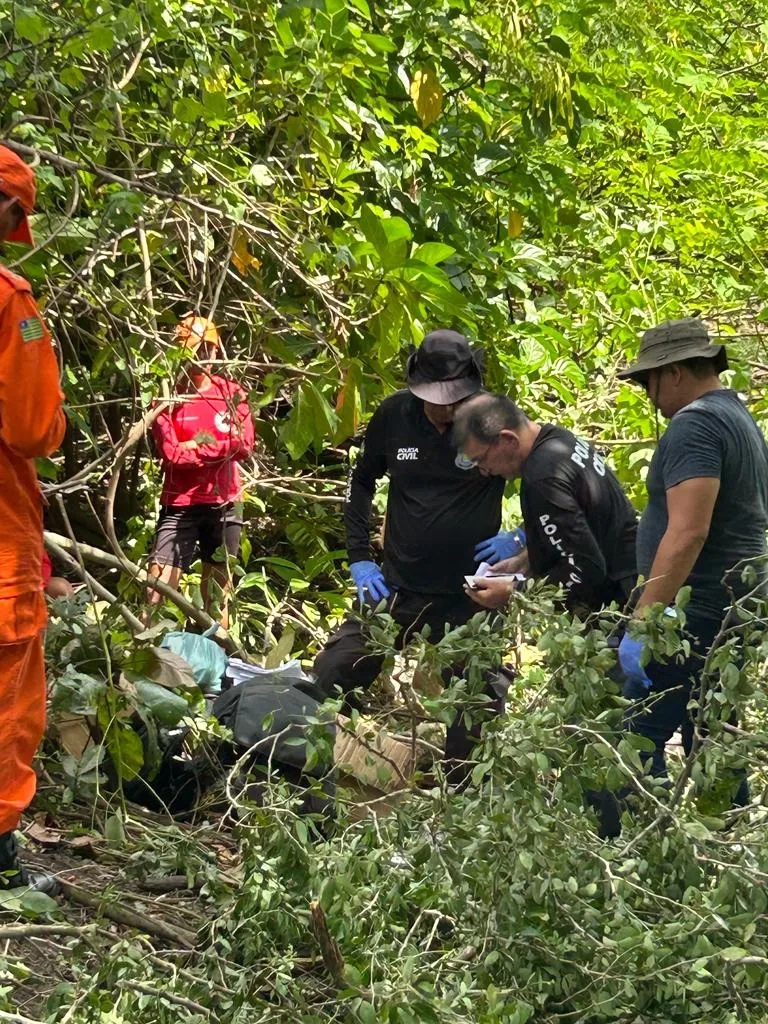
x: 485, y: 570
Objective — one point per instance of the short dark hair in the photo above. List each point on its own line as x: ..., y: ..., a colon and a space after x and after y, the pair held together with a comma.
x: 702, y: 366
x: 484, y: 416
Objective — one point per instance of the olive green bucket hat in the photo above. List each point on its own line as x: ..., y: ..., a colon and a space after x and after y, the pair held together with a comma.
x: 674, y: 341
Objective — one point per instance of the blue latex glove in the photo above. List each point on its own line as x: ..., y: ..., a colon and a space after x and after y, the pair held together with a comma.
x: 369, y: 580
x: 506, y: 544
x: 630, y: 652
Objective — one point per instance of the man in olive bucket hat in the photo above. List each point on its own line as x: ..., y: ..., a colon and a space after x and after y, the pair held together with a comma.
x: 707, y: 512
x: 437, y: 513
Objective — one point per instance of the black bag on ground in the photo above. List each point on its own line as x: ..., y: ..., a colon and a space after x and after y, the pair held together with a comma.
x: 268, y: 715
x: 269, y: 719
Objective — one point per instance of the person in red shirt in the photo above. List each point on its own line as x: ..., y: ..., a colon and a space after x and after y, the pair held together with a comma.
x: 54, y: 586
x: 201, y: 439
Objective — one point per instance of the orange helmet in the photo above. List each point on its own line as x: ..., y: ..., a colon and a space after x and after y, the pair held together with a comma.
x: 193, y: 330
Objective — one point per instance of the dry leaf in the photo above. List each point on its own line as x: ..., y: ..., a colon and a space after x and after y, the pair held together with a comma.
x: 40, y: 832
x: 242, y: 257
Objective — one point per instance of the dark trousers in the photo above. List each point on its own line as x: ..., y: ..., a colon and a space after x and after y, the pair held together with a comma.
x: 658, y: 715
x: 346, y: 661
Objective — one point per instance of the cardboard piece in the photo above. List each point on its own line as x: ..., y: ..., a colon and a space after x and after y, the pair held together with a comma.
x: 372, y: 757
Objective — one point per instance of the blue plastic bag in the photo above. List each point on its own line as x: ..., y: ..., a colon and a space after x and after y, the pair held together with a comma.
x: 206, y: 659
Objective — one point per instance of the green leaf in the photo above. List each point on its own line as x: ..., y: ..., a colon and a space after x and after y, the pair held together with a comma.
x: 161, y: 666
x: 261, y: 175
x: 298, y: 433
x: 167, y: 707
x: 282, y: 649
x: 188, y: 109
x: 47, y: 469
x: 432, y: 252
x: 732, y: 953
x: 114, y: 831
x: 34, y: 903
x: 367, y: 1013
x: 480, y: 771
x: 125, y: 749
x: 388, y: 235
x: 559, y: 45
x: 29, y: 25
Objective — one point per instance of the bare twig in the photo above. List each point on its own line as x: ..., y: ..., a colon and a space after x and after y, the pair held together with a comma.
x: 99, y: 557
x: 100, y: 591
x: 148, y: 990
x: 41, y: 931
x: 129, y: 918
x: 18, y: 1018
x: 329, y: 947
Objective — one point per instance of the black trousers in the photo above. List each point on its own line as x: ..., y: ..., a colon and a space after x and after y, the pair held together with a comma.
x: 658, y: 714
x: 347, y: 662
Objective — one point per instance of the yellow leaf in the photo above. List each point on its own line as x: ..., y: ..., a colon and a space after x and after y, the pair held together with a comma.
x: 427, y: 95
x: 241, y: 257
x: 515, y: 224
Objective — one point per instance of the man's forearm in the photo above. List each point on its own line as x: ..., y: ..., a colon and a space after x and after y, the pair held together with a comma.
x: 675, y: 558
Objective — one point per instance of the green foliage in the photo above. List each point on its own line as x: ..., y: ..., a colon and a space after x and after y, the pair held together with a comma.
x: 497, y: 902
x: 125, y: 697
x: 332, y: 181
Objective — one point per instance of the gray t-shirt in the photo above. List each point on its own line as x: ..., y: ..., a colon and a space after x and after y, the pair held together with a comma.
x: 714, y: 436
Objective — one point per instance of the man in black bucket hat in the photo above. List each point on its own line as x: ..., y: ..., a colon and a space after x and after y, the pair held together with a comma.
x: 437, y: 514
x: 707, y: 513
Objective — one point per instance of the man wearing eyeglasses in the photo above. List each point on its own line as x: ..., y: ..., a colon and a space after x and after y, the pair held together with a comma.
x: 31, y: 425
x: 707, y: 515
x: 579, y: 527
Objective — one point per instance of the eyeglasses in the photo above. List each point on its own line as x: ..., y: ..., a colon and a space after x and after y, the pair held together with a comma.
x: 645, y: 382
x: 479, y: 461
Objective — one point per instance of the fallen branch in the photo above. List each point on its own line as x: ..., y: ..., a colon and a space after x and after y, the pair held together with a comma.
x: 135, y: 433
x: 129, y: 918
x: 329, y: 947
x: 266, y: 236
x: 100, y: 591
x: 170, y: 883
x: 40, y: 931
x: 18, y: 1018
x: 147, y: 990
x: 99, y: 557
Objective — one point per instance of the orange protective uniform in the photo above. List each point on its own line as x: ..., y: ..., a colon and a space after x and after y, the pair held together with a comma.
x: 32, y: 425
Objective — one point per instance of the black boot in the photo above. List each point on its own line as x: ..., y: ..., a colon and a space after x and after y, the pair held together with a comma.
x: 13, y: 875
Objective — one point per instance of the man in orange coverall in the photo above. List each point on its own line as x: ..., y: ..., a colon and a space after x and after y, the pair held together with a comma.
x: 32, y: 425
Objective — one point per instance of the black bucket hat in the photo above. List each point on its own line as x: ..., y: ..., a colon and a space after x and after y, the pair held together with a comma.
x: 674, y: 341
x: 445, y: 369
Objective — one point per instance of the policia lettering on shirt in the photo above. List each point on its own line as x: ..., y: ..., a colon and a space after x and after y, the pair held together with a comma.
x: 579, y: 527
x: 437, y: 515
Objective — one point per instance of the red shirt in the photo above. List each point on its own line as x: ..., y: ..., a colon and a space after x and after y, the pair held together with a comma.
x: 219, y: 420
x: 47, y: 569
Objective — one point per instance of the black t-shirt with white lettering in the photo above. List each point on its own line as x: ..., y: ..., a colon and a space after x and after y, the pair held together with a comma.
x: 581, y: 527
x: 714, y: 436
x: 436, y: 511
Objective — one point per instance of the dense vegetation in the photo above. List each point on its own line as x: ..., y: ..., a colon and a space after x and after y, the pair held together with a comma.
x: 329, y: 181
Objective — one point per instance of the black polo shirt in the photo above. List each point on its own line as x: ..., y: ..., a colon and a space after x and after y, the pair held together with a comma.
x: 436, y: 512
x: 580, y: 525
